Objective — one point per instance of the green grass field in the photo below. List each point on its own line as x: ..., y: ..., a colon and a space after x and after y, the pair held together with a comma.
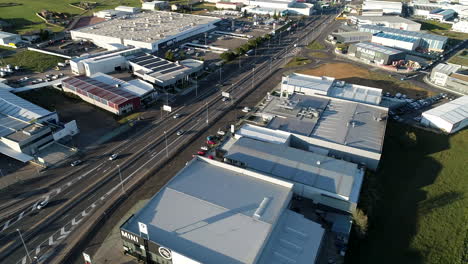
x: 31, y: 60
x: 297, y: 61
x: 23, y: 16
x: 314, y: 45
x: 417, y: 201
x: 461, y: 58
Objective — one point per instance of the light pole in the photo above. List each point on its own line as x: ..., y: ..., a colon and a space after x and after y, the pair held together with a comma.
x: 165, y: 137
x: 24, y: 244
x: 253, y: 76
x: 120, y: 176
x: 271, y: 61
x: 220, y: 68
x: 207, y: 120
x: 196, y: 88
x: 239, y: 62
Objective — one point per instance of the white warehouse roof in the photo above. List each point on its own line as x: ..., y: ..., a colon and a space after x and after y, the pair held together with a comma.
x: 453, y: 112
x: 207, y: 213
x: 147, y: 27
x: 135, y: 87
x: 16, y: 107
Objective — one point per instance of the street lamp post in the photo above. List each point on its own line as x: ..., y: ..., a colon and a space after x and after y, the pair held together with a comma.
x: 220, y: 68
x: 253, y: 77
x: 121, y: 180
x: 167, y: 151
x: 196, y: 88
x: 24, y: 244
x: 207, y: 120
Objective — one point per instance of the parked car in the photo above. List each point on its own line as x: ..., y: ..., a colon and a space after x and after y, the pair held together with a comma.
x: 42, y: 204
x: 210, y: 142
x: 225, y: 99
x: 246, y: 109
x: 113, y: 156
x: 210, y: 157
x: 180, y: 132
x: 201, y: 153
x: 76, y: 163
x: 205, y: 148
x: 210, y: 138
x: 221, y: 132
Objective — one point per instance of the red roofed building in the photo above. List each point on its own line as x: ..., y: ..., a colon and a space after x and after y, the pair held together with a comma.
x: 114, y: 99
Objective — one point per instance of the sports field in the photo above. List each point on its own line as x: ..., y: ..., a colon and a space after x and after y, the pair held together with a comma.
x: 22, y: 13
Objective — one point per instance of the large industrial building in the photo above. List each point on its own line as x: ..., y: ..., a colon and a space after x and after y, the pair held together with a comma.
x: 460, y: 26
x: 387, y: 7
x: 279, y: 7
x: 449, y: 117
x: 325, y: 180
x: 427, y: 41
x: 27, y: 131
x: 351, y: 37
x: 329, y: 86
x: 212, y: 212
x: 104, y: 62
x: 118, y: 99
x: 161, y: 72
x: 147, y: 30
x: 386, y: 21
x: 375, y: 53
x: 442, y: 14
x: 396, y: 41
x: 451, y: 77
x: 340, y: 128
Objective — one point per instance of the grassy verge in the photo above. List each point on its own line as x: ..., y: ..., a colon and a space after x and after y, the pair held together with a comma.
x: 315, y: 45
x: 297, y: 61
x: 417, y: 201
x: 441, y: 29
x: 318, y: 55
x: 31, y: 60
x: 460, y: 58
x: 128, y: 118
x: 23, y: 17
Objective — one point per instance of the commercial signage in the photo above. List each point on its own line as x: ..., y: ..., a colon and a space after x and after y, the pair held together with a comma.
x: 143, y: 228
x: 165, y: 253
x: 225, y: 94
x: 129, y: 236
x: 87, y: 258
x: 167, y: 108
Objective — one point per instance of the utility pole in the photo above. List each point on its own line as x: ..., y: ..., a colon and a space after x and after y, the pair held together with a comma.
x: 24, y: 244
x: 207, y: 120
x: 220, y: 68
x: 120, y: 176
x: 165, y: 137
x: 253, y: 76
x: 196, y: 88
x: 239, y: 62
x: 255, y: 49
x: 271, y: 60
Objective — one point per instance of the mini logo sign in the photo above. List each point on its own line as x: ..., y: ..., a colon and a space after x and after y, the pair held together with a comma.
x: 165, y: 253
x: 129, y: 236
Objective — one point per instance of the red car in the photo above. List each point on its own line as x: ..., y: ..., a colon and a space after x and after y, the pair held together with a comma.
x: 210, y: 142
x: 210, y: 157
x: 201, y: 153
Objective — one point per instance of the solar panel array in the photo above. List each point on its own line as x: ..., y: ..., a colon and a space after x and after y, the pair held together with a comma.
x: 85, y: 85
x: 156, y: 64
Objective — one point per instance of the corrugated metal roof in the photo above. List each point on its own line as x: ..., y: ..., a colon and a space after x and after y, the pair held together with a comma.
x: 332, y: 175
x: 414, y: 34
x: 377, y: 48
x: 452, y: 112
x: 101, y: 90
x: 400, y: 38
x: 136, y: 87
x: 15, y: 106
x: 206, y: 212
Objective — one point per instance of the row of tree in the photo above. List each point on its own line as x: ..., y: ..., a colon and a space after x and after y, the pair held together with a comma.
x: 251, y: 44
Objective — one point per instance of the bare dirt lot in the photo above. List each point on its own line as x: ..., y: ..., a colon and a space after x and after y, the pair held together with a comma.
x: 362, y: 76
x: 92, y: 122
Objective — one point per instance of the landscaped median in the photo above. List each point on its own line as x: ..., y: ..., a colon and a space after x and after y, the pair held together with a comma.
x: 297, y: 61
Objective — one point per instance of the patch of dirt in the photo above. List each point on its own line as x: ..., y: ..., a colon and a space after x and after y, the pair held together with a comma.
x: 362, y: 76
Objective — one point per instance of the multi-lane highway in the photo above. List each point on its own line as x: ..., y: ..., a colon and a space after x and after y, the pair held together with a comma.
x: 87, y: 188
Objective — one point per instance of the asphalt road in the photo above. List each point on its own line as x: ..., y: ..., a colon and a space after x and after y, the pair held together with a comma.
x: 90, y: 184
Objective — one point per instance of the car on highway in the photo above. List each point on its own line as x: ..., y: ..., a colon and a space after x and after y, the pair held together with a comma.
x: 210, y: 157
x: 246, y: 109
x: 113, y: 156
x: 180, y: 132
x: 221, y: 132
x: 42, y: 204
x: 176, y: 116
x: 210, y: 142
x: 205, y: 148
x: 225, y: 99
x: 201, y: 153
x: 76, y: 163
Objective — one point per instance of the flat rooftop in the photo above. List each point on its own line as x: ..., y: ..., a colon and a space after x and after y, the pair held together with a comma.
x: 135, y: 87
x: 377, y: 48
x: 391, y: 19
x: 26, y: 132
x: 395, y: 37
x: 414, y: 34
x: 206, y: 212
x: 452, y: 112
x: 340, y: 121
x: 328, y: 174
x: 148, y: 27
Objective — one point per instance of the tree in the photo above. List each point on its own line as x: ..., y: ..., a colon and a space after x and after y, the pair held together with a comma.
x: 169, y: 55
x: 44, y: 34
x: 275, y: 16
x: 227, y: 56
x: 361, y: 222
x: 245, y: 13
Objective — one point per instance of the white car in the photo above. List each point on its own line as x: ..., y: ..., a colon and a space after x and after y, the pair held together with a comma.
x: 42, y: 204
x: 205, y: 148
x: 180, y: 132
x: 246, y: 109
x: 75, y: 163
x: 113, y: 156
x: 221, y: 133
x: 176, y: 116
